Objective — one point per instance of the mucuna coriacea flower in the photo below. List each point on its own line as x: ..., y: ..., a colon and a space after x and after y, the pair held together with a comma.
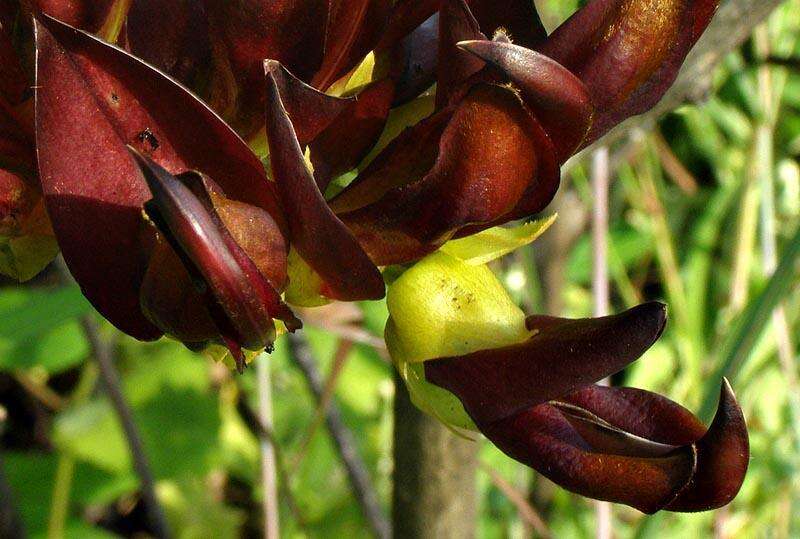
x: 204, y: 165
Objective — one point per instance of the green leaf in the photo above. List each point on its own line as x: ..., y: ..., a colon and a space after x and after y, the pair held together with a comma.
x: 751, y: 323
x: 38, y: 327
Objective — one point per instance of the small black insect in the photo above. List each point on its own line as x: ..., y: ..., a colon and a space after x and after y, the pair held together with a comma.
x: 149, y: 137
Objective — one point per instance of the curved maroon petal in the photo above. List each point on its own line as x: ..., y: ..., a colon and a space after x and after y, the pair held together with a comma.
x: 310, y: 110
x: 627, y: 52
x: 82, y: 161
x: 244, y: 296
x: 407, y: 159
x: 290, y: 32
x: 245, y: 33
x: 488, y: 159
x: 562, y: 356
x: 455, y: 67
x: 162, y: 119
x: 317, y: 234
x: 723, y: 454
x: 171, y: 35
x: 560, y: 101
x: 354, y: 28
x: 354, y: 132
x: 640, y: 412
x: 340, y: 132
x: 543, y: 438
x: 92, y: 100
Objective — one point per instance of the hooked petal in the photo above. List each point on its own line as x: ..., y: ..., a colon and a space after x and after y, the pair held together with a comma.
x: 564, y: 355
x: 627, y: 52
x: 317, y: 234
x: 242, y: 293
x: 492, y: 159
x: 92, y: 100
x: 559, y: 100
x: 640, y: 412
x: 723, y: 454
x: 546, y: 440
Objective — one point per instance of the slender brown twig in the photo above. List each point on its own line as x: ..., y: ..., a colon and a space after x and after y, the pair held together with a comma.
x: 339, y: 359
x: 601, y: 178
x: 264, y: 431
x: 524, y: 508
x: 268, y: 465
x: 104, y: 354
x: 343, y: 439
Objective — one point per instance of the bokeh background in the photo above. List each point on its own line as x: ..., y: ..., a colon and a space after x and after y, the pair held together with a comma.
x: 703, y: 213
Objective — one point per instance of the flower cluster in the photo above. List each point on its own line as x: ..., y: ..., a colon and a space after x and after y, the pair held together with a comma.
x: 205, y: 165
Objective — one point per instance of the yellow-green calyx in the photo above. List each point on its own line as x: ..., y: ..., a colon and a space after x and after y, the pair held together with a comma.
x: 447, y: 306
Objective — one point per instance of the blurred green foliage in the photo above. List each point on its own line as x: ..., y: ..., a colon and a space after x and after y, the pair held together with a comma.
x: 693, y: 236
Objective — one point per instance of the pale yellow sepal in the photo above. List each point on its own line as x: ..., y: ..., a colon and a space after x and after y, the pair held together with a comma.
x: 304, y: 283
x: 22, y: 258
x: 354, y: 81
x: 443, y: 307
x: 491, y: 244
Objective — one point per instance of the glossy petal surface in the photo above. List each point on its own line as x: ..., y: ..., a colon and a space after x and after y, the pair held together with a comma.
x: 492, y: 158
x: 628, y: 52
x: 562, y: 356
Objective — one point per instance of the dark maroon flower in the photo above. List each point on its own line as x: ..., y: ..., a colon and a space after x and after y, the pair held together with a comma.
x: 536, y: 401
x: 214, y: 270
x: 534, y: 107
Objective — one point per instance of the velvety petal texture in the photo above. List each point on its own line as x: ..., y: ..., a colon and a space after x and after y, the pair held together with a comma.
x: 627, y: 52
x: 536, y: 402
x: 492, y: 158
